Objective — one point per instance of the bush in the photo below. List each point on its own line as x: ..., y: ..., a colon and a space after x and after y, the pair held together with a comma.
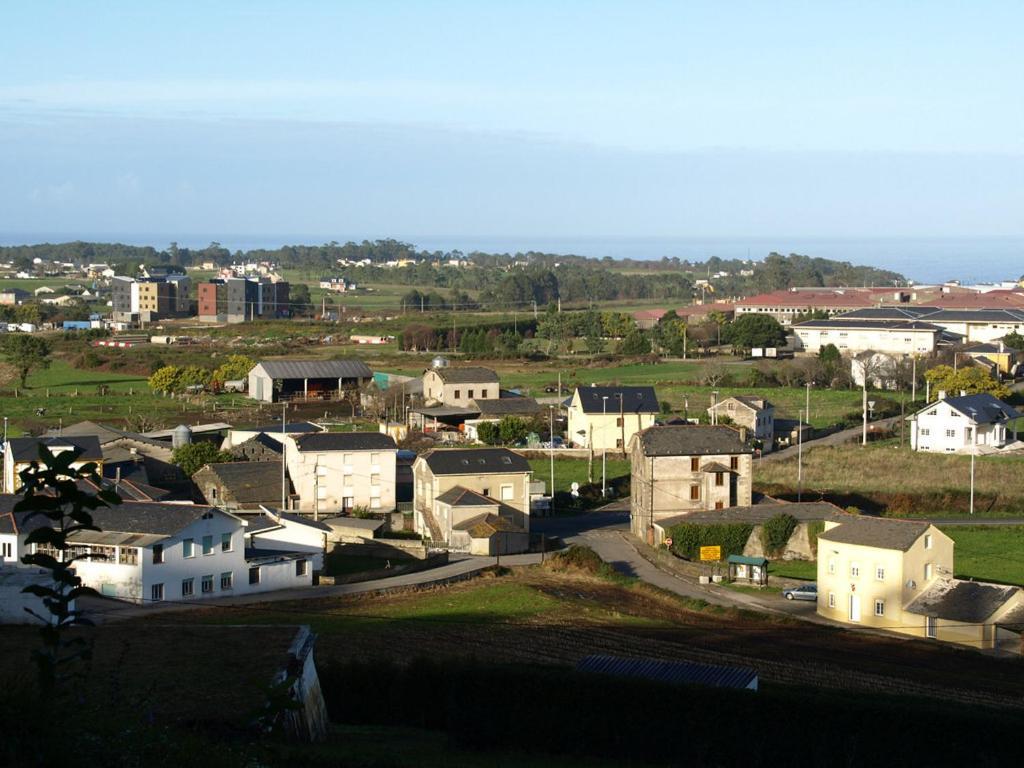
x: 584, y: 559
x: 688, y: 538
x: 362, y: 513
x: 814, y: 529
x: 776, y: 532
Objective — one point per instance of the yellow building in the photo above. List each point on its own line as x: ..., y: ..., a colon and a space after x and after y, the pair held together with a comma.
x: 898, y: 575
x: 605, y: 418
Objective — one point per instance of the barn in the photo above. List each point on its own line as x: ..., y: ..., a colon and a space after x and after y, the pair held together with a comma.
x: 275, y: 381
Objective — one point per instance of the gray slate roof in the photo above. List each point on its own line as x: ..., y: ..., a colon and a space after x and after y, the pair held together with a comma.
x: 877, y: 532
x: 690, y: 440
x: 759, y: 513
x: 674, y: 672
x: 871, y: 325
x: 248, y: 481
x: 982, y: 408
x: 886, y: 313
x: 968, y: 601
x: 316, y: 369
x: 634, y: 399
x: 508, y: 406
x: 345, y: 441
x: 137, y: 517
x: 467, y: 374
x: 27, y: 448
x: 463, y: 497
x: 475, y: 461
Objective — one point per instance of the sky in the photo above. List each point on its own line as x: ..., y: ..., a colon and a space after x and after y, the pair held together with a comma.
x: 547, y: 119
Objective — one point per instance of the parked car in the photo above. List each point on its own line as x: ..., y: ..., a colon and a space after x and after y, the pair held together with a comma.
x: 803, y: 592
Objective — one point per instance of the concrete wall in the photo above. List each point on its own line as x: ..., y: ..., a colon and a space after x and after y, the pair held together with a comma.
x: 331, y: 481
x: 853, y: 340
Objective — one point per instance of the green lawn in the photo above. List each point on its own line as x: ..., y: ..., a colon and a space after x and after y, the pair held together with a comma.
x: 568, y: 471
x: 794, y: 569
x: 989, y: 553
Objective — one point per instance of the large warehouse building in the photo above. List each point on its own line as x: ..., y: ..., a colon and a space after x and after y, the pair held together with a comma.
x: 274, y: 381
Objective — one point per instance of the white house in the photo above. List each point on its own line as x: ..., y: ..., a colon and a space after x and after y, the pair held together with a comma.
x: 850, y: 337
x: 750, y: 411
x: 150, y: 552
x: 605, y: 418
x: 286, y: 532
x: 334, y: 472
x: 963, y: 424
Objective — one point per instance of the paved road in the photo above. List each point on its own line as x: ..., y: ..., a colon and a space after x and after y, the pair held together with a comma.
x: 836, y: 438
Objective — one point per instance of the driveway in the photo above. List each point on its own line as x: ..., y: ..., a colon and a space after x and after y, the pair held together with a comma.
x: 836, y: 438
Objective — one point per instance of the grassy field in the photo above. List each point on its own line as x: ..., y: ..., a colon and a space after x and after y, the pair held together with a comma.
x: 794, y: 569
x: 569, y: 471
x: 993, y: 553
x: 885, y: 477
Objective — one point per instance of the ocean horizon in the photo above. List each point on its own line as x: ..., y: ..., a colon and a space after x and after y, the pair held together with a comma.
x: 922, y: 259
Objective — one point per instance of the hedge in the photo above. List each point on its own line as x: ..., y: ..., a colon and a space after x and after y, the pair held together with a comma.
x: 688, y: 538
x: 775, y: 533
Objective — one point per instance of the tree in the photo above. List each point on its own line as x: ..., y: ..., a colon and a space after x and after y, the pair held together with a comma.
x: 233, y: 368
x: 714, y: 373
x: 636, y: 342
x: 26, y: 353
x: 193, y: 376
x: 194, y: 456
x: 1014, y: 341
x: 513, y: 430
x: 972, y: 380
x: 489, y: 432
x: 299, y: 300
x: 165, y: 380
x: 754, y: 330
x: 830, y: 359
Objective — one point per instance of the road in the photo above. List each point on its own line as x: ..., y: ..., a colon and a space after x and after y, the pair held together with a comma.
x: 836, y: 438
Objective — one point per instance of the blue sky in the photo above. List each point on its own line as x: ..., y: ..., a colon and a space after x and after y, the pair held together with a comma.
x: 535, y: 118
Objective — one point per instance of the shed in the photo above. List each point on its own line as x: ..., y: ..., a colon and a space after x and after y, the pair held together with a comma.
x: 289, y: 380
x: 753, y: 570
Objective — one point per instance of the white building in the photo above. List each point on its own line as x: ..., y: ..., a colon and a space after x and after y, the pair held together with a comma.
x: 21, y: 452
x: 335, y: 472
x: 851, y: 337
x: 277, y: 531
x: 963, y: 424
x: 150, y: 552
x: 605, y: 418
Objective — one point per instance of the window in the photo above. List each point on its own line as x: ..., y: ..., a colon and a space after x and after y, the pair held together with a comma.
x: 188, y: 548
x: 879, y: 574
x: 375, y: 502
x: 349, y: 481
x: 925, y: 431
x: 929, y: 626
x: 156, y: 593
x: 188, y: 587
x: 831, y: 599
x: 950, y: 433
x: 301, y: 567
x: 374, y: 479
x: 254, y: 575
x: 854, y: 570
x: 458, y: 393
x: 207, y: 584
x: 321, y: 492
x: 879, y: 607
x: 227, y: 580
x: 734, y: 462
x: 618, y: 421
x: 470, y: 395
x: 207, y: 545
x: 347, y: 461
x: 694, y: 464
x: 321, y: 471
x: 928, y: 571
x: 6, y: 551
x: 506, y: 492
x: 158, y: 554
x: 225, y: 542
x: 831, y: 565
x: 486, y: 492
x: 483, y: 394
x: 128, y: 556
x: 927, y: 541
x: 694, y: 492
x: 375, y: 459
x: 211, y: 493
x: 618, y: 442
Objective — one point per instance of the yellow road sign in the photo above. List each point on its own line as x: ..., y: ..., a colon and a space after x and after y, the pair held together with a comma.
x: 710, y: 553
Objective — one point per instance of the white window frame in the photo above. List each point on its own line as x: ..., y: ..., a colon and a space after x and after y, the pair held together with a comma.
x: 507, y: 492
x: 156, y: 593
x: 879, y: 573
x: 831, y: 599
x: 879, y: 607
x: 832, y: 565
x: 854, y: 570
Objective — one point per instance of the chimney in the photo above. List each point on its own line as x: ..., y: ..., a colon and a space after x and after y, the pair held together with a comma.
x: 941, y: 395
x: 743, y: 434
x: 963, y: 393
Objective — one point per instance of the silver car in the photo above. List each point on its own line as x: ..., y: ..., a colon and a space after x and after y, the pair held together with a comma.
x: 803, y: 592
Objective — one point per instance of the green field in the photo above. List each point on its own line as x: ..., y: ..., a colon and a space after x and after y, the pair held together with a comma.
x: 794, y: 569
x: 992, y: 553
x: 569, y: 471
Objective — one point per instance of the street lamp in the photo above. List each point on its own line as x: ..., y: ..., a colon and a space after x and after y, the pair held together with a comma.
x: 799, y: 455
x: 807, y: 405
x: 714, y: 406
x: 604, y: 446
x: 974, y: 438
x: 551, y: 450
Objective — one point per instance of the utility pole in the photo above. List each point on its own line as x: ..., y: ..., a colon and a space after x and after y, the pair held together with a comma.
x: 316, y: 490
x: 972, y: 477
x: 807, y: 407
x: 913, y: 382
x: 551, y: 452
x: 604, y: 450
x: 284, y: 457
x: 864, y: 437
x: 799, y: 456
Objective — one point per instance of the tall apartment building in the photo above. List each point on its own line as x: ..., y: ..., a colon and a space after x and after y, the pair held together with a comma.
x: 240, y: 299
x: 149, y: 298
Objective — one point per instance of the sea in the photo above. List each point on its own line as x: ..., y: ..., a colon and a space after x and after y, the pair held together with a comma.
x: 921, y: 259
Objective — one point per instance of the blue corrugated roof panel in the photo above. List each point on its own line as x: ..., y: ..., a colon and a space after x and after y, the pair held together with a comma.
x: 674, y: 672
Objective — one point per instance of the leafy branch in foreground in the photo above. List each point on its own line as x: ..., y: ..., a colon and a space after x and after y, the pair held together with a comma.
x: 51, y: 491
